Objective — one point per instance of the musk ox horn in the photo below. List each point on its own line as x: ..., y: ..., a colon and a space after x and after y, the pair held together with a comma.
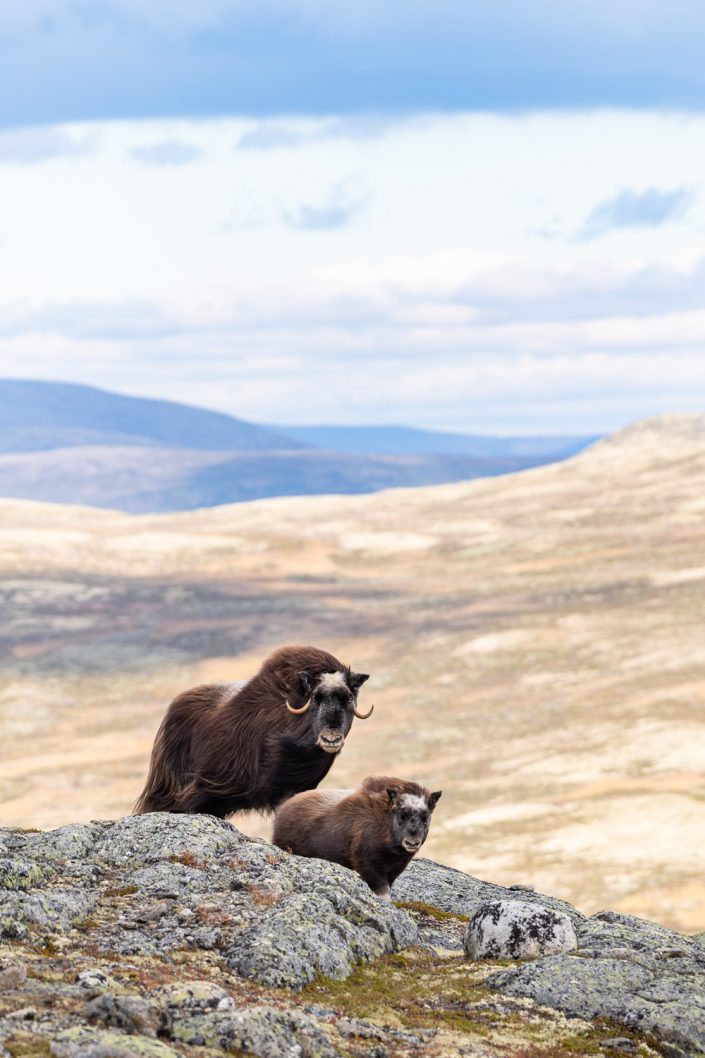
x: 364, y: 716
x: 303, y: 708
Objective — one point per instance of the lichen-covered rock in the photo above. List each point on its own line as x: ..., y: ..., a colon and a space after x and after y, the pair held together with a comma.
x: 17, y: 873
x: 642, y: 975
x: 460, y: 894
x: 132, y: 1014
x: 193, y: 882
x: 192, y: 997
x: 72, y: 842
x: 163, y: 836
x: 263, y: 1031
x: 94, y: 982
x: 324, y: 931
x: 84, y: 1042
x: 53, y: 910
x: 172, y: 880
x: 609, y: 930
x: 514, y: 929
x: 98, y: 924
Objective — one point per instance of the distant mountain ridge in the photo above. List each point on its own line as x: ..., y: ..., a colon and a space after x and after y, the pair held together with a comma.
x: 36, y: 416
x: 76, y: 444
x: 400, y: 440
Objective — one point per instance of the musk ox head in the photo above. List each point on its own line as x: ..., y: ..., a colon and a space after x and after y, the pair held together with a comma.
x: 331, y: 702
x: 410, y: 816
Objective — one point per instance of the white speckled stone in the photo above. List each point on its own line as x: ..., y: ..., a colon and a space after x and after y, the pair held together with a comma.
x: 514, y: 929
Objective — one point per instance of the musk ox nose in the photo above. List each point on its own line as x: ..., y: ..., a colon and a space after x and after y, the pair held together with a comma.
x: 412, y: 844
x: 330, y: 741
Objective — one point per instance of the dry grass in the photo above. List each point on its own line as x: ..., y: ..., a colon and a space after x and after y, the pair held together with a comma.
x: 535, y: 642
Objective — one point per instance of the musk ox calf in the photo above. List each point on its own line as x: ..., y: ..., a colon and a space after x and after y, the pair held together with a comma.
x: 374, y: 829
x: 221, y: 750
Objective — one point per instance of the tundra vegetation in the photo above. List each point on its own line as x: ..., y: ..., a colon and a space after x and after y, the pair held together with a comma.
x: 536, y: 644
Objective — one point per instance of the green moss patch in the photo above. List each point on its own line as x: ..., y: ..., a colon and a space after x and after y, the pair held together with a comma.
x: 417, y: 990
x: 414, y: 988
x: 28, y: 1045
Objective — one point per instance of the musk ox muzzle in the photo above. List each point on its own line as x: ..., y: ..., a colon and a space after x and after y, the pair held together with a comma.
x: 331, y: 741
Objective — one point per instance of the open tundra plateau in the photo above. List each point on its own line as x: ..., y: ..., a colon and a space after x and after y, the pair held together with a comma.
x: 535, y: 642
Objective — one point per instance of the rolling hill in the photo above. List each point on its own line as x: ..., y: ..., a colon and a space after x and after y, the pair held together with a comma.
x: 154, y: 479
x: 535, y: 643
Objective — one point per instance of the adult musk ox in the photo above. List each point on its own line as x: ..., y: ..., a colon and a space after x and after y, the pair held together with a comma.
x: 374, y: 829
x: 220, y: 750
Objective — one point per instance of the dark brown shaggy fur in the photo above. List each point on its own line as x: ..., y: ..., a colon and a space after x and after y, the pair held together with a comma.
x: 365, y: 829
x: 221, y: 750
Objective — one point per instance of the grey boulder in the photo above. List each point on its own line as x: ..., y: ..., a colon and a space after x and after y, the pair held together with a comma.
x: 513, y: 929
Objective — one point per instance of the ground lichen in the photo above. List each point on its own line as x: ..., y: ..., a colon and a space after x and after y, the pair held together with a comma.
x: 27, y: 1045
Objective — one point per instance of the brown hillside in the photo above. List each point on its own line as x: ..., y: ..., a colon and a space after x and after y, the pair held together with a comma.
x: 536, y: 643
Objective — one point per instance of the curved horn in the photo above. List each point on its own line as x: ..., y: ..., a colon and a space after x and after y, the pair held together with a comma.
x: 364, y: 716
x: 303, y: 708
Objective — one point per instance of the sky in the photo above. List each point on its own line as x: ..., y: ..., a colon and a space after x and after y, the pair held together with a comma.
x: 442, y: 215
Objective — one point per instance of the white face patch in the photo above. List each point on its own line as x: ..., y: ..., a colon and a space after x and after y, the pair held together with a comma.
x: 333, y: 681
x: 414, y: 802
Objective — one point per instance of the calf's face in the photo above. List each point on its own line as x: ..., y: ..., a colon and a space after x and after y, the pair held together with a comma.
x: 333, y: 698
x: 410, y: 818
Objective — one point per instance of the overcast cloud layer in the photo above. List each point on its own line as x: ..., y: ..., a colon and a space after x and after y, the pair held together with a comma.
x: 63, y: 60
x: 441, y: 212
x: 473, y: 272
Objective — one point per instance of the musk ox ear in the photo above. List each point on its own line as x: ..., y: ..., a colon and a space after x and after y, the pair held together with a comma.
x: 356, y: 680
x: 305, y: 684
x: 392, y: 796
x: 434, y: 799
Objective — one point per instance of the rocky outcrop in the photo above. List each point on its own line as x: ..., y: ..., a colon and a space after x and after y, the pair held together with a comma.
x: 461, y: 894
x: 158, y: 934
x: 199, y: 884
x: 640, y: 974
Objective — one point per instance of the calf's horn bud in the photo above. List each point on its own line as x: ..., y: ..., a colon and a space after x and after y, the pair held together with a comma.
x: 364, y: 716
x: 303, y: 708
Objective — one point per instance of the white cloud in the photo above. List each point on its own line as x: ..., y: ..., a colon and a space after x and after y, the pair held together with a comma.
x: 33, y: 145
x: 336, y: 211
x: 438, y: 305
x: 168, y: 152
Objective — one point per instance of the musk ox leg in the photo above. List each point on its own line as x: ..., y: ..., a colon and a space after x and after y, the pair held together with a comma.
x: 170, y: 781
x: 162, y: 789
x: 197, y: 801
x: 377, y: 883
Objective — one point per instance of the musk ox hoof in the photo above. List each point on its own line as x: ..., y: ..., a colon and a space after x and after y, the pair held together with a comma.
x: 514, y: 929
